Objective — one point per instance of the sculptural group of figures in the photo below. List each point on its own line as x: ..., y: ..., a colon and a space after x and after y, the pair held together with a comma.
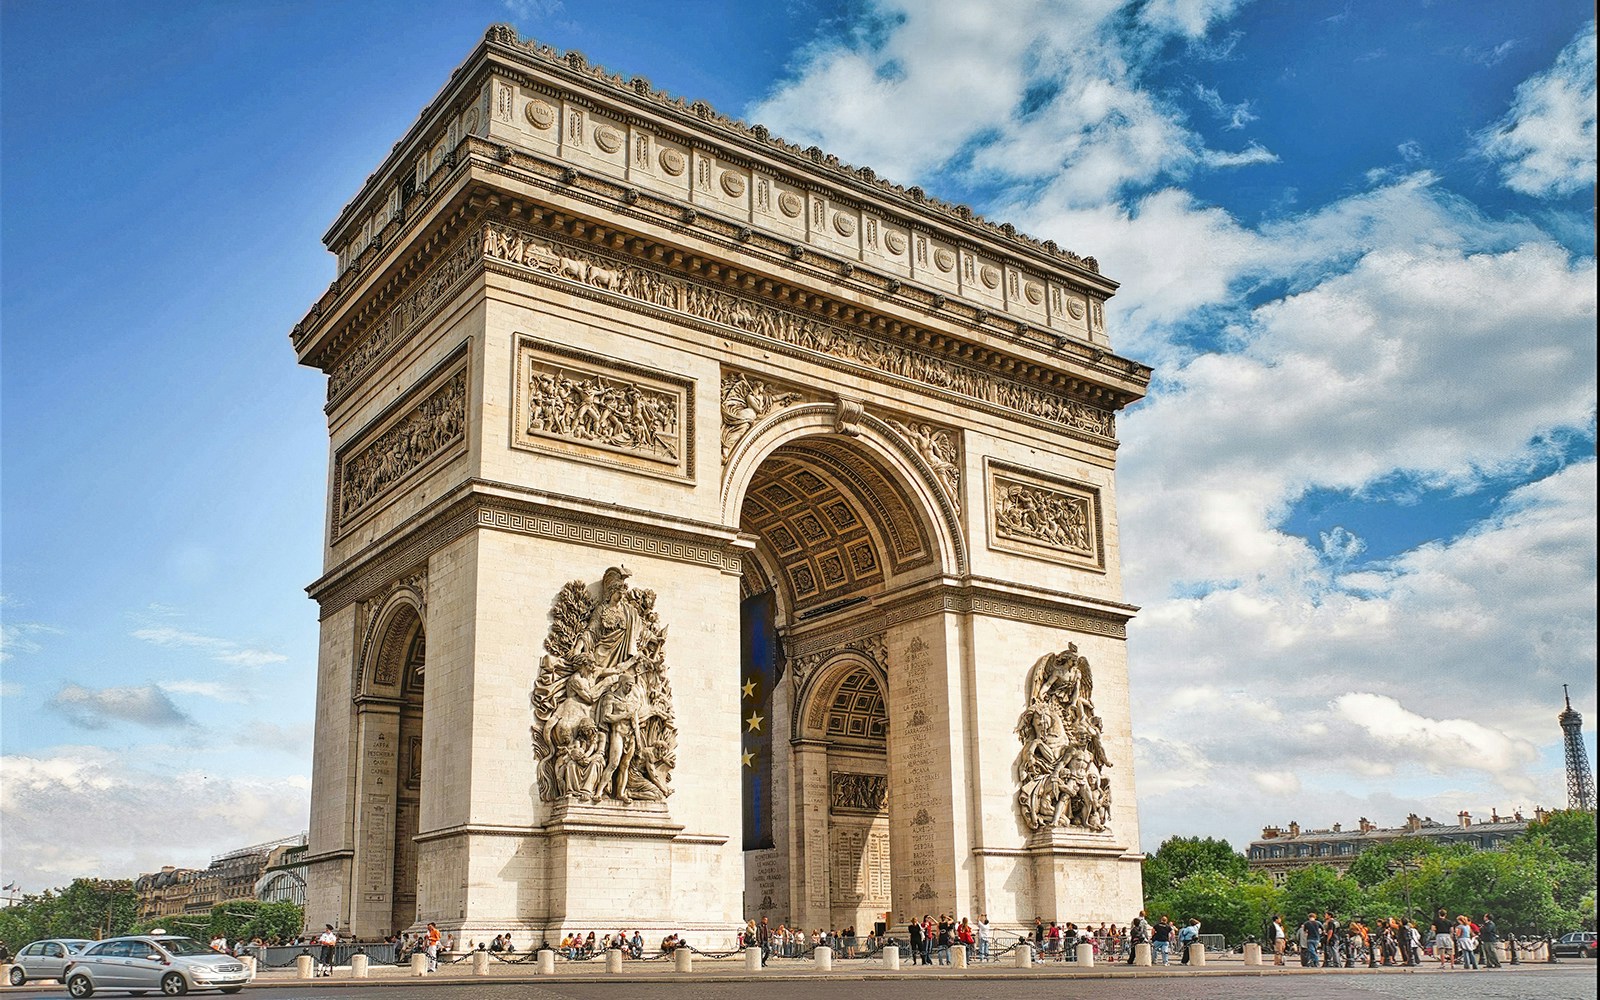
x: 1053, y: 518
x: 436, y: 422
x: 593, y: 409
x: 603, y: 724
x: 1062, y: 767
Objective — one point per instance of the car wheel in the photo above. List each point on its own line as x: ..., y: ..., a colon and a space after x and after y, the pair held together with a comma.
x: 80, y: 986
x: 174, y: 985
x: 18, y: 977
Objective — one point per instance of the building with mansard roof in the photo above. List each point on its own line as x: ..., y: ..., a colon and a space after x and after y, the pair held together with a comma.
x: 1283, y: 850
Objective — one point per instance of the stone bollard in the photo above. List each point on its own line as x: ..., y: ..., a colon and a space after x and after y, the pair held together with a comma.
x: 360, y: 966
x: 248, y: 960
x: 683, y: 959
x: 1141, y: 954
x: 305, y: 967
x: 824, y: 957
x: 1085, y: 956
x: 419, y: 964
x: 1024, y: 956
x: 547, y: 962
x: 480, y: 962
x: 613, y: 960
x: 1252, y: 954
x: 891, y: 957
x: 752, y: 959
x: 1501, y: 949
x: 1197, y: 954
x: 958, y: 956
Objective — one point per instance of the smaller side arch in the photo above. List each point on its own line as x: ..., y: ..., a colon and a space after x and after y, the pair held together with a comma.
x: 381, y: 665
x: 818, y: 690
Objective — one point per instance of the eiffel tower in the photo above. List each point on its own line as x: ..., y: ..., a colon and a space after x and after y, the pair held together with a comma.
x: 1580, y: 780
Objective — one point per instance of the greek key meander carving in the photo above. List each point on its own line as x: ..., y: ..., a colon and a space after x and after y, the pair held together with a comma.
x: 745, y: 400
x: 858, y: 793
x: 502, y: 242
x: 602, y: 704
x: 1061, y: 771
x: 427, y: 430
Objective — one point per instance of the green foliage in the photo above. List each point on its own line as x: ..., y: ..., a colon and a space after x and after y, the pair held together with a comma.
x: 1234, y: 907
x: 1563, y: 843
x: 1319, y: 888
x: 88, y: 908
x: 248, y: 919
x: 1378, y: 863
x: 1180, y: 857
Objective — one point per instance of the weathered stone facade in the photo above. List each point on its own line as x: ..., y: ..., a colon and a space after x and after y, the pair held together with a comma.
x: 600, y: 363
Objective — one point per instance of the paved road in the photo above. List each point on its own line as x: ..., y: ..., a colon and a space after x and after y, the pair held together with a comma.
x: 1568, y: 981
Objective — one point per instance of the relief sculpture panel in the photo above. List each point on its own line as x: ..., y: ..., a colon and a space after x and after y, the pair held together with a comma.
x: 430, y: 422
x: 1050, y: 518
x: 602, y: 706
x: 600, y: 410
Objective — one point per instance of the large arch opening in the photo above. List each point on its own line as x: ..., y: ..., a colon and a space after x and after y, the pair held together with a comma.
x: 838, y: 522
x: 389, y: 720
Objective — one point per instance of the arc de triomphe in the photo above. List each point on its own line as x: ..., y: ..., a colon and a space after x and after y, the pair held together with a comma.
x: 714, y: 530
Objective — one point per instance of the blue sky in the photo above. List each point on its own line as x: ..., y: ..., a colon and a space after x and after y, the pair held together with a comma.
x: 1356, y: 239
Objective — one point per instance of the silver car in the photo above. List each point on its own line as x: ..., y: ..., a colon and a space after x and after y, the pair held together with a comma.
x: 169, y: 963
x: 45, y: 959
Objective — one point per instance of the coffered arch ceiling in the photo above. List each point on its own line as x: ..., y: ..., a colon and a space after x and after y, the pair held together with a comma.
x: 831, y: 525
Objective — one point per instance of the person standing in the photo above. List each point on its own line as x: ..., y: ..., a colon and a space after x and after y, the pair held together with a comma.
x: 764, y: 939
x: 985, y: 935
x: 1280, y: 939
x: 1162, y: 940
x: 431, y: 946
x: 1466, y: 943
x: 1138, y: 933
x: 1312, y: 930
x: 1444, y: 938
x: 328, y: 939
x: 914, y: 939
x: 1188, y: 936
x: 1489, y: 939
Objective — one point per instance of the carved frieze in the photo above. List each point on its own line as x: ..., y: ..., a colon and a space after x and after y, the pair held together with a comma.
x: 1061, y: 771
x: 598, y: 409
x: 461, y: 260
x: 1052, y: 518
x: 938, y: 447
x: 503, y: 242
x: 849, y: 792
x: 430, y: 422
x: 746, y: 399
x: 871, y: 646
x: 602, y: 704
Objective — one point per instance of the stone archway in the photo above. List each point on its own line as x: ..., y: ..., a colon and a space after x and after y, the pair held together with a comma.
x: 388, y: 723
x: 843, y: 524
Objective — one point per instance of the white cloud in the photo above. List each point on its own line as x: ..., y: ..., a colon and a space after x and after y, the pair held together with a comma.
x: 1236, y: 116
x: 205, y: 689
x: 87, y: 811
x: 1545, y: 144
x: 221, y: 650
x: 97, y: 708
x: 20, y: 637
x: 1442, y: 745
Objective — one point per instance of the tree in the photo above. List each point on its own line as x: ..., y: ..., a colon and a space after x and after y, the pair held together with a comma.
x: 1564, y: 844
x: 1377, y: 863
x: 1180, y: 857
x: 88, y: 908
x: 1319, y: 888
x: 1236, y: 908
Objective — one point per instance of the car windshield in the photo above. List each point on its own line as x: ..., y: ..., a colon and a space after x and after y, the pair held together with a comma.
x: 184, y: 946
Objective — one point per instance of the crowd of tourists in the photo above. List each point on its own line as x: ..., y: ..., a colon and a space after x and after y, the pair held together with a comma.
x: 1324, y: 941
x: 794, y: 942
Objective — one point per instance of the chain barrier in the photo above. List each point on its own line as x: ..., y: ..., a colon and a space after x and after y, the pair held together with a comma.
x: 713, y: 954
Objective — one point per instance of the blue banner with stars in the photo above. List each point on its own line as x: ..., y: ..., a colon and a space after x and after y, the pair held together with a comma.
x: 758, y: 660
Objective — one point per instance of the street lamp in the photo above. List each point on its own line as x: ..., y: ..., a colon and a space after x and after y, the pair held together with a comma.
x: 1405, y: 866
